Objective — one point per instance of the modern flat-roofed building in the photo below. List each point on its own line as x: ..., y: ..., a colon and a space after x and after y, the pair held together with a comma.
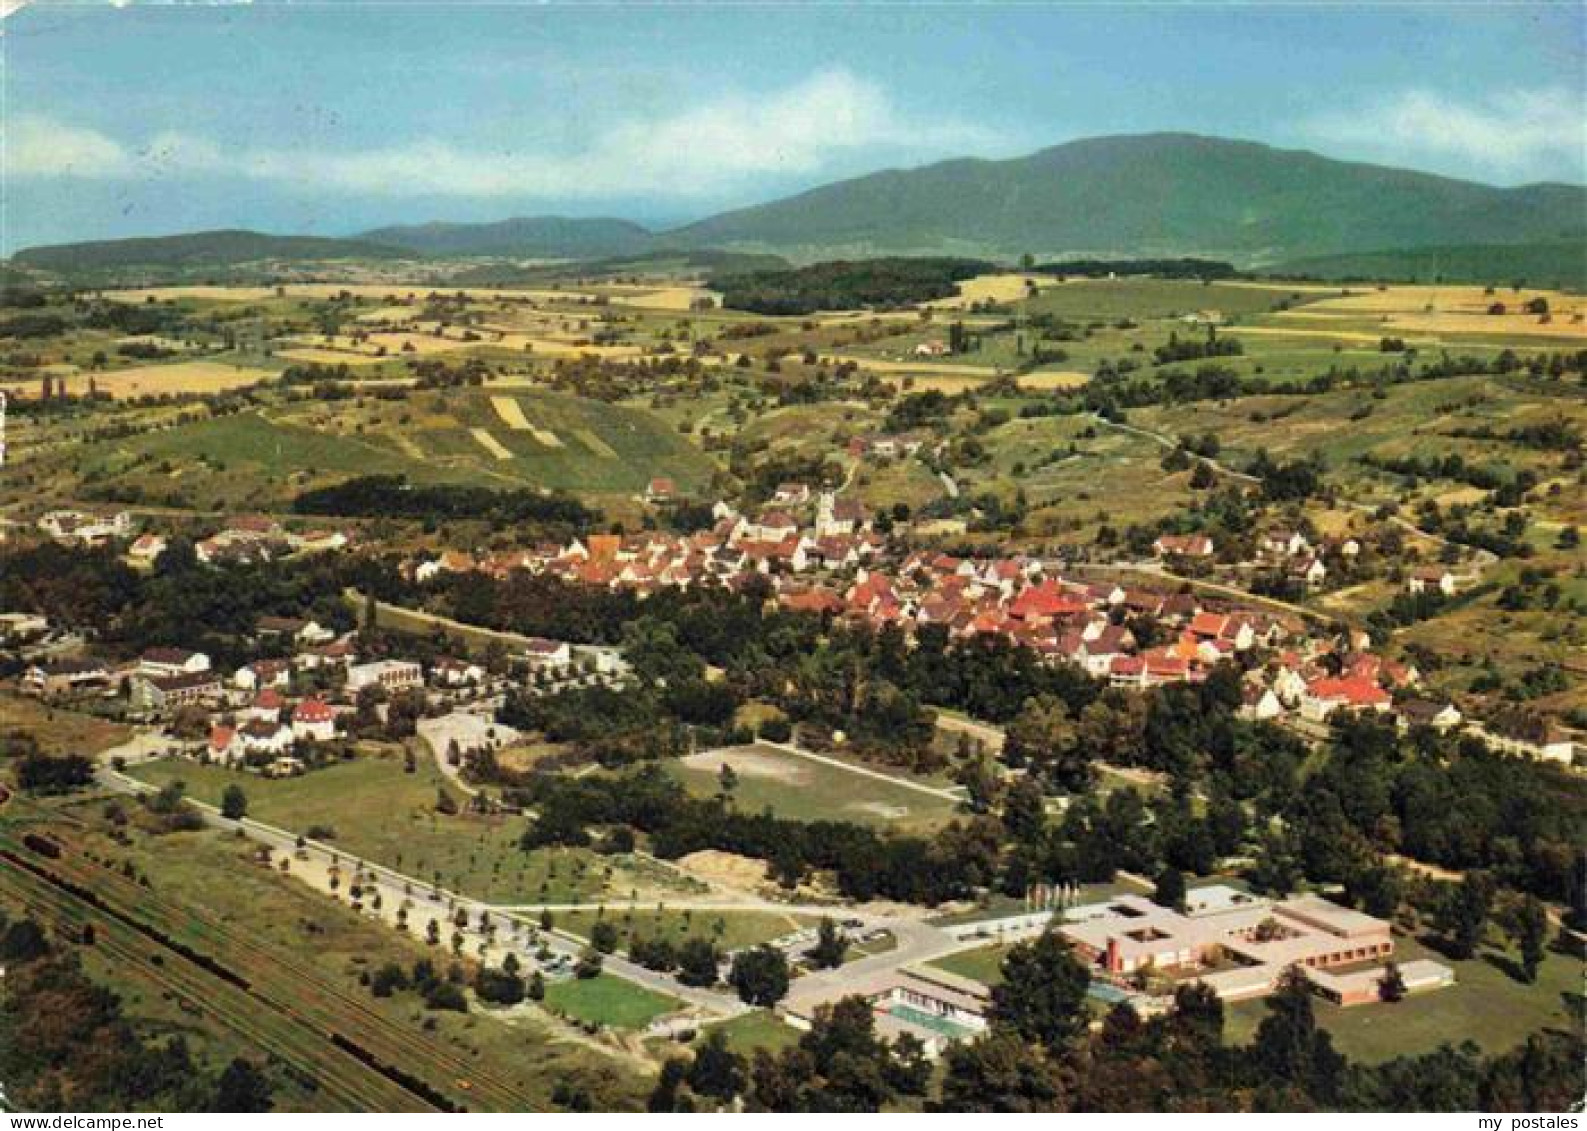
x: 1241, y: 943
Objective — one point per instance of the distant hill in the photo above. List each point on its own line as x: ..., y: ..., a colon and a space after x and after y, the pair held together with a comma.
x: 533, y: 237
x: 198, y: 249
x: 1147, y: 195
x: 1560, y: 263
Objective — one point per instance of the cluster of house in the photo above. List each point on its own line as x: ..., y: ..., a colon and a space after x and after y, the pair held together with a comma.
x: 1302, y: 560
x: 245, y: 538
x: 1287, y: 549
x: 773, y: 543
x: 254, y: 714
x: 83, y: 529
x: 834, y: 564
x: 253, y: 538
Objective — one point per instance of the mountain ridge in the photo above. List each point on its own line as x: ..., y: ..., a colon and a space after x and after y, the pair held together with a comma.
x: 1161, y: 195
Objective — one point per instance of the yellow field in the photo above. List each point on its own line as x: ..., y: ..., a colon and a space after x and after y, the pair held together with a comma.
x: 490, y: 443
x: 1457, y: 310
x: 681, y: 298
x: 927, y: 369
x: 951, y: 384
x: 1046, y: 380
x: 1311, y: 332
x: 511, y: 413
x: 385, y: 291
x: 176, y: 377
x: 991, y: 288
x: 327, y: 357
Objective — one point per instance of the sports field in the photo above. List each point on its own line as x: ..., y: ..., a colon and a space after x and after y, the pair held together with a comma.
x: 799, y: 788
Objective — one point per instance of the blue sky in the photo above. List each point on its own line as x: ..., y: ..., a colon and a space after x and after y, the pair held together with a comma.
x: 332, y: 118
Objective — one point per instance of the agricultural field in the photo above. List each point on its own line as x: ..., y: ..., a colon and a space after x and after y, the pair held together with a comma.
x: 379, y: 812
x: 177, y: 378
x: 799, y: 788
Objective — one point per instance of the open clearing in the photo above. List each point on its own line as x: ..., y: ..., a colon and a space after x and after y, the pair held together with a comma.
x: 174, y: 378
x: 488, y: 442
x: 807, y: 790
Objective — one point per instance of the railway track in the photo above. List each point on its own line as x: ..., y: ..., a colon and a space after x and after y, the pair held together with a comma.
x: 424, y: 1067
x: 338, y: 1079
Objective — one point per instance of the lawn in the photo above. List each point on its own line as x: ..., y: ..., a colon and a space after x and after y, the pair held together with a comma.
x: 730, y: 930
x: 1486, y: 1005
x: 383, y: 814
x: 801, y: 789
x: 983, y: 964
x: 760, y: 1029
x: 606, y: 1000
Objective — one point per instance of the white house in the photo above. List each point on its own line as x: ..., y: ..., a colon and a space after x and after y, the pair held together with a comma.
x: 449, y: 672
x: 313, y: 721
x: 393, y: 675
x: 548, y: 655
x: 1434, y: 578
x: 172, y: 661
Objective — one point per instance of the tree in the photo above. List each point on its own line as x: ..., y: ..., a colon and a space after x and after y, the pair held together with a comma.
x: 698, y: 962
x: 716, y: 1070
x: 1530, y: 930
x: 1391, y: 986
x: 1001, y: 1072
x: 1290, y: 1048
x: 727, y: 781
x: 1463, y: 913
x: 588, y: 965
x: 830, y: 945
x: 760, y: 975
x: 23, y: 941
x: 1170, y: 891
x: 242, y: 1088
x: 233, y: 803
x: 603, y: 936
x: 1043, y: 737
x: 1042, y: 995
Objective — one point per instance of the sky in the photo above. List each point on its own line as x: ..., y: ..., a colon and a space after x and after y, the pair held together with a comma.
x: 331, y: 118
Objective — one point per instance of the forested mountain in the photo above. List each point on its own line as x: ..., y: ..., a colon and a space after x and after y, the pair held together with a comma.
x: 1154, y: 194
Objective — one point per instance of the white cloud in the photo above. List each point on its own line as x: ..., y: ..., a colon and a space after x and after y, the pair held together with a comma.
x: 693, y: 152
x: 40, y: 147
x: 1506, y: 133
